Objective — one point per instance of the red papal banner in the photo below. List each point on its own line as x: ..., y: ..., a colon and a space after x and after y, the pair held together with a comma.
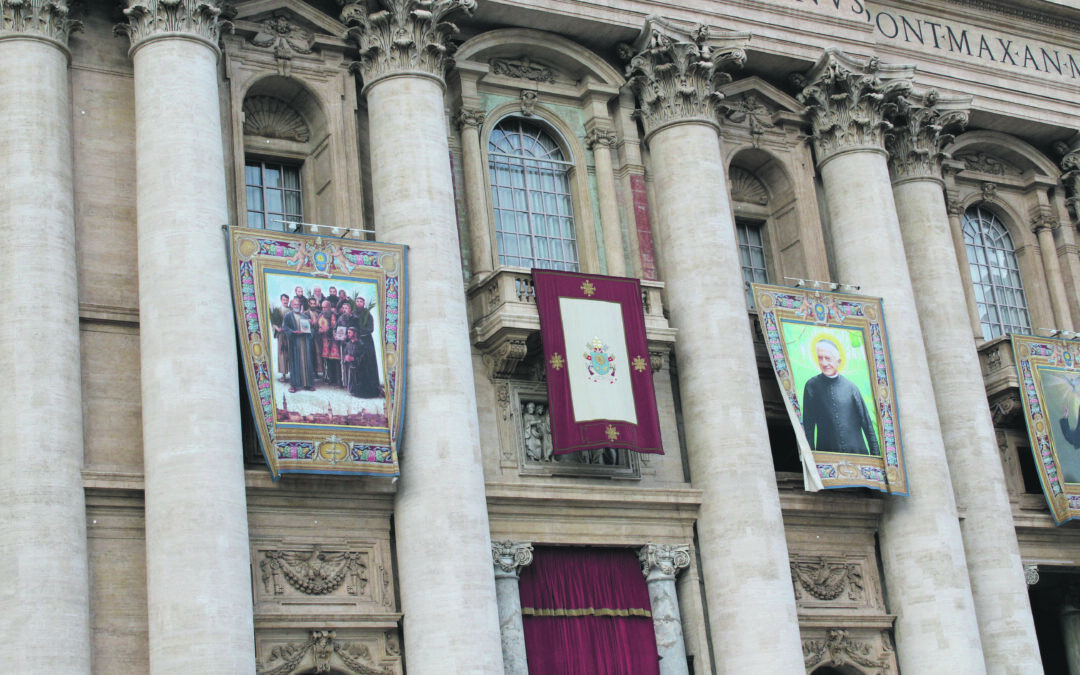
x: 600, y: 388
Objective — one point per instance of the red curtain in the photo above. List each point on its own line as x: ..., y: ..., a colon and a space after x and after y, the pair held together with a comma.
x: 586, y: 612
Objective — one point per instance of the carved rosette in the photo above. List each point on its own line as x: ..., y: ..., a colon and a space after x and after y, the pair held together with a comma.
x: 192, y: 18
x: 510, y: 556
x: 848, y: 101
x: 921, y: 127
x: 675, y: 73
x: 470, y: 118
x: 408, y: 36
x: 42, y: 18
x: 663, y: 561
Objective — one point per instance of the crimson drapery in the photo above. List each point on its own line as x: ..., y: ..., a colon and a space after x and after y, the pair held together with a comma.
x: 586, y: 611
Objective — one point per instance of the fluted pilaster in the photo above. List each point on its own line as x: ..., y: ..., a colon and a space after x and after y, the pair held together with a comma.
x: 405, y: 37
x: 925, y: 569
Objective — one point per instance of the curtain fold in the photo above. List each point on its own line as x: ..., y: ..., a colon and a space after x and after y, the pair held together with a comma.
x: 586, y: 611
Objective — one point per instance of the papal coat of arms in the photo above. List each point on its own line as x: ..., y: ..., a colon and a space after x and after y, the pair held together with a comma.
x: 600, y: 362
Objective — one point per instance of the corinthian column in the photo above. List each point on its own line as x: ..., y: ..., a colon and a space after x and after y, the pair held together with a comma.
x: 509, y: 557
x: 744, y: 555
x: 993, y: 554
x: 926, y: 575
x: 198, y: 575
x: 469, y: 121
x: 44, y: 591
x: 443, y: 542
x: 660, y: 563
x: 600, y: 141
x: 1043, y: 224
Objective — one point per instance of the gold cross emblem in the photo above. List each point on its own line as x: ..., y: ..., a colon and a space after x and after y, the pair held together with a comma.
x: 612, y: 433
x: 556, y: 361
x: 639, y: 364
x: 588, y: 289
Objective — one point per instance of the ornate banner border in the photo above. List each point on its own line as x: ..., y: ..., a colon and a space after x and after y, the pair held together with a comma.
x: 1049, y: 379
x: 781, y: 308
x: 568, y: 434
x: 340, y: 443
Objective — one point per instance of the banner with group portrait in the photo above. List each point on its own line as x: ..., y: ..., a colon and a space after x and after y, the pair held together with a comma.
x: 1049, y: 379
x: 830, y: 353
x: 322, y: 335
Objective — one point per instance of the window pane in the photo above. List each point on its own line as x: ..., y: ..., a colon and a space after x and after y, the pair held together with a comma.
x: 274, y: 203
x: 995, y: 274
x: 292, y: 203
x: 267, y: 203
x: 253, y: 174
x: 255, y: 219
x: 291, y: 177
x: 272, y: 174
x: 254, y: 199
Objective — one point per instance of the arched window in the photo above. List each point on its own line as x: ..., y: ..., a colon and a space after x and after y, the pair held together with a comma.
x: 530, y: 192
x: 995, y: 274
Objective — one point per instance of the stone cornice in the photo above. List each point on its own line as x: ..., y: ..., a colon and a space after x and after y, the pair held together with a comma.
x: 663, y: 561
x: 509, y: 557
x: 38, y: 18
x: 847, y: 101
x: 408, y: 36
x: 148, y: 19
x: 921, y: 127
x: 675, y: 73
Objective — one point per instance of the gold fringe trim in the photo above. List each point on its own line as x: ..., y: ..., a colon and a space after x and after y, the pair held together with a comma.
x: 586, y: 611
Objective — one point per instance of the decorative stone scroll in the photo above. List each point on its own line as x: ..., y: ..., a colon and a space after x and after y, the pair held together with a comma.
x: 675, y: 72
x: 510, y: 556
x: 314, y: 572
x: 408, y: 36
x: 46, y: 18
x: 848, y: 101
x: 321, y: 653
x: 663, y: 560
x: 839, y: 649
x: 922, y: 126
x: 149, y: 18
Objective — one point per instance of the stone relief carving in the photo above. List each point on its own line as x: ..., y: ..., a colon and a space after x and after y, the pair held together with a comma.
x: 1070, y: 165
x: 838, y: 649
x: 664, y: 559
x: 745, y: 187
x: 986, y: 163
x: 989, y: 192
x: 48, y: 18
x: 199, y: 18
x: 528, y: 102
x: 827, y: 580
x: 536, y: 431
x: 747, y: 108
x: 404, y: 36
x: 848, y: 100
x: 271, y: 117
x: 675, y: 73
x: 522, y: 68
x: 321, y: 652
x: 314, y: 572
x: 921, y: 127
x: 506, y: 357
x: 510, y: 556
x: 286, y: 39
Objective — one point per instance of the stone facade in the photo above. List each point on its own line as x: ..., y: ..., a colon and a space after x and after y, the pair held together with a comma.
x: 843, y: 143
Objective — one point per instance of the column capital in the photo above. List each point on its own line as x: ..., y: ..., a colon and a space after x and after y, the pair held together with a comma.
x: 37, y: 18
x: 663, y: 561
x: 674, y: 72
x: 847, y: 100
x: 1044, y: 220
x: 1070, y: 164
x: 601, y: 137
x: 510, y: 556
x: 470, y: 118
x: 921, y: 126
x: 407, y: 37
x: 148, y: 19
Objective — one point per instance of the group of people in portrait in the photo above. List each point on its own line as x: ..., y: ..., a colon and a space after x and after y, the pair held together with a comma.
x: 327, y: 340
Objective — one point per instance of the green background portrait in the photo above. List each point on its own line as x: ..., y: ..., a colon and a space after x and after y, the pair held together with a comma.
x: 800, y: 340
x: 1060, y: 395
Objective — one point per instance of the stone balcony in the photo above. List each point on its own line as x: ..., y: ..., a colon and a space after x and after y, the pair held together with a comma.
x: 503, y: 316
x: 1002, y: 385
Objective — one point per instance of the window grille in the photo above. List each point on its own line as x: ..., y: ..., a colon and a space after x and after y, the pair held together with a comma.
x: 995, y: 275
x: 530, y: 192
x: 273, y: 195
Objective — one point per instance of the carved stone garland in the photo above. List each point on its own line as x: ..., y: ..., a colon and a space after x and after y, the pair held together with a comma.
x: 675, y: 73
x: 406, y: 36
x: 848, y: 101
x: 322, y: 647
x: 838, y: 649
x: 147, y: 18
x: 825, y: 580
x: 314, y: 572
x: 922, y: 126
x: 47, y: 18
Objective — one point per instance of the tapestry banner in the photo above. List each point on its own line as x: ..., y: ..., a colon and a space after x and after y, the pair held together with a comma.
x: 600, y: 388
x: 322, y: 335
x: 1049, y: 379
x: 831, y: 357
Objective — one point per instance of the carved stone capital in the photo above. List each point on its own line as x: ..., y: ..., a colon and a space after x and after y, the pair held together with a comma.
x: 510, y: 556
x: 40, y: 18
x: 192, y: 18
x: 955, y: 207
x: 675, y: 72
x: 663, y: 561
x: 408, y: 36
x: 921, y: 127
x: 1044, y: 221
x: 848, y: 101
x: 1031, y: 574
x: 470, y: 118
x: 602, y: 137
x: 1070, y: 163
